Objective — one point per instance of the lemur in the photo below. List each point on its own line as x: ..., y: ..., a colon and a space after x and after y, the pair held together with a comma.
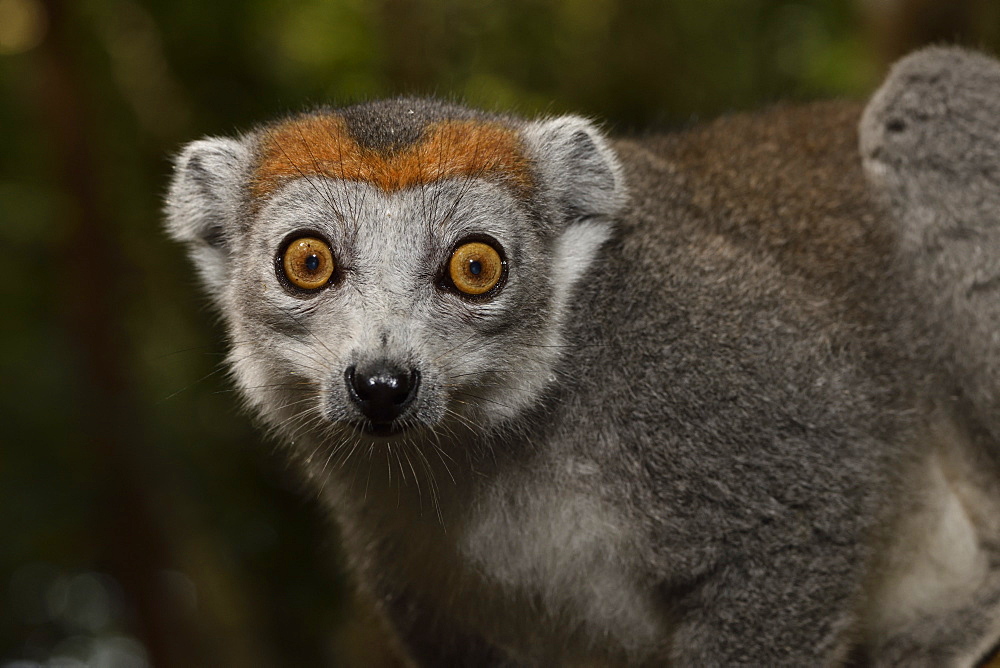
x: 729, y: 395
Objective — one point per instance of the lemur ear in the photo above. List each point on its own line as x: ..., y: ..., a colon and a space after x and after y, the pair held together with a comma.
x: 204, y: 200
x: 578, y: 170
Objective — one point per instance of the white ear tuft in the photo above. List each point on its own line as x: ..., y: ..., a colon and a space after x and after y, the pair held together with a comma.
x: 204, y: 200
x: 578, y: 170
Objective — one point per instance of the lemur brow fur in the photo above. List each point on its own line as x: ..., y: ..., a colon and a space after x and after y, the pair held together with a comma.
x: 323, y: 145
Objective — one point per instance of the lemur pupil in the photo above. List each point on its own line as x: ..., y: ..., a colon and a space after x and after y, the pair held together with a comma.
x: 476, y: 267
x: 312, y: 262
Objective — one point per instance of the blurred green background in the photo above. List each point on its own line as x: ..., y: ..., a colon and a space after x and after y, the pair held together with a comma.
x: 144, y: 521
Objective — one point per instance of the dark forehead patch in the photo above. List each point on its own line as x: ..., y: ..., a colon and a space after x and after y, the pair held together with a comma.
x: 390, y: 125
x: 391, y: 151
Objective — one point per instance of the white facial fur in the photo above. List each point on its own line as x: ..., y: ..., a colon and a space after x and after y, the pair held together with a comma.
x: 391, y: 248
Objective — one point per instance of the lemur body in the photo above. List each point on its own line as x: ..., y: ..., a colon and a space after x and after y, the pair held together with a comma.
x: 574, y: 401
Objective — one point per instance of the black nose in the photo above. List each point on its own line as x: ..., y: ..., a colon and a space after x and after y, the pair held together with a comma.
x: 382, y: 392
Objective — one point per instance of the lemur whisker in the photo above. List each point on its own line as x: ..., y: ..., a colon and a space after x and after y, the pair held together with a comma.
x: 462, y: 418
x: 438, y: 450
x: 291, y: 385
x: 355, y: 461
x: 318, y: 340
x: 433, y: 486
x: 368, y: 479
x: 452, y: 350
x: 322, y: 177
x: 303, y: 418
x: 302, y: 175
x: 298, y: 414
x: 187, y: 387
x: 406, y: 455
x: 253, y: 352
x: 181, y: 351
x: 339, y: 141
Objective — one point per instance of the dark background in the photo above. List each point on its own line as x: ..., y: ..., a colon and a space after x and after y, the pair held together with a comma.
x: 143, y: 520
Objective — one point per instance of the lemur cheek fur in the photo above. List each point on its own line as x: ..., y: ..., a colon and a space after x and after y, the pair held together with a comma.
x: 682, y: 399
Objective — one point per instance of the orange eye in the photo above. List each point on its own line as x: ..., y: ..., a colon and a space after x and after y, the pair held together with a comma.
x: 308, y: 263
x: 475, y: 268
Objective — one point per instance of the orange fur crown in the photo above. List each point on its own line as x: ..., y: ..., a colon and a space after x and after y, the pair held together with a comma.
x: 322, y: 145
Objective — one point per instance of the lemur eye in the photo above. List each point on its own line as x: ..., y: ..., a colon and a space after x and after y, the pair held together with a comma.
x: 475, y: 268
x: 308, y: 263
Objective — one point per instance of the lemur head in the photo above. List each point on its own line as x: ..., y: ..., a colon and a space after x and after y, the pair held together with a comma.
x: 928, y: 137
x: 395, y: 266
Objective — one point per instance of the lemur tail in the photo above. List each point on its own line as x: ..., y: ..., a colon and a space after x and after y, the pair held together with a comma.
x: 930, y: 139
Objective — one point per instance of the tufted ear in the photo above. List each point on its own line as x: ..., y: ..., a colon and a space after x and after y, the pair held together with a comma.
x: 204, y: 200
x: 578, y: 170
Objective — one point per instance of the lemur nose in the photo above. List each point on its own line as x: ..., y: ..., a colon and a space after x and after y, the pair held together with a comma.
x: 382, y: 393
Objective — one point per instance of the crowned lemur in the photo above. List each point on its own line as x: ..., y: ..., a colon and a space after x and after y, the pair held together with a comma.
x: 724, y: 396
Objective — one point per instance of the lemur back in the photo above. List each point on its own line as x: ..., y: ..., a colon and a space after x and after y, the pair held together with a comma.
x: 676, y: 399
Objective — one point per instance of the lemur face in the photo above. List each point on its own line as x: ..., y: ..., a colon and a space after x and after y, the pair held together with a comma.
x: 395, y: 269
x: 397, y: 309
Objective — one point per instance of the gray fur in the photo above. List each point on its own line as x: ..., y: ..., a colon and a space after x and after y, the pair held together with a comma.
x: 390, y: 125
x: 931, y: 139
x: 706, y: 420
